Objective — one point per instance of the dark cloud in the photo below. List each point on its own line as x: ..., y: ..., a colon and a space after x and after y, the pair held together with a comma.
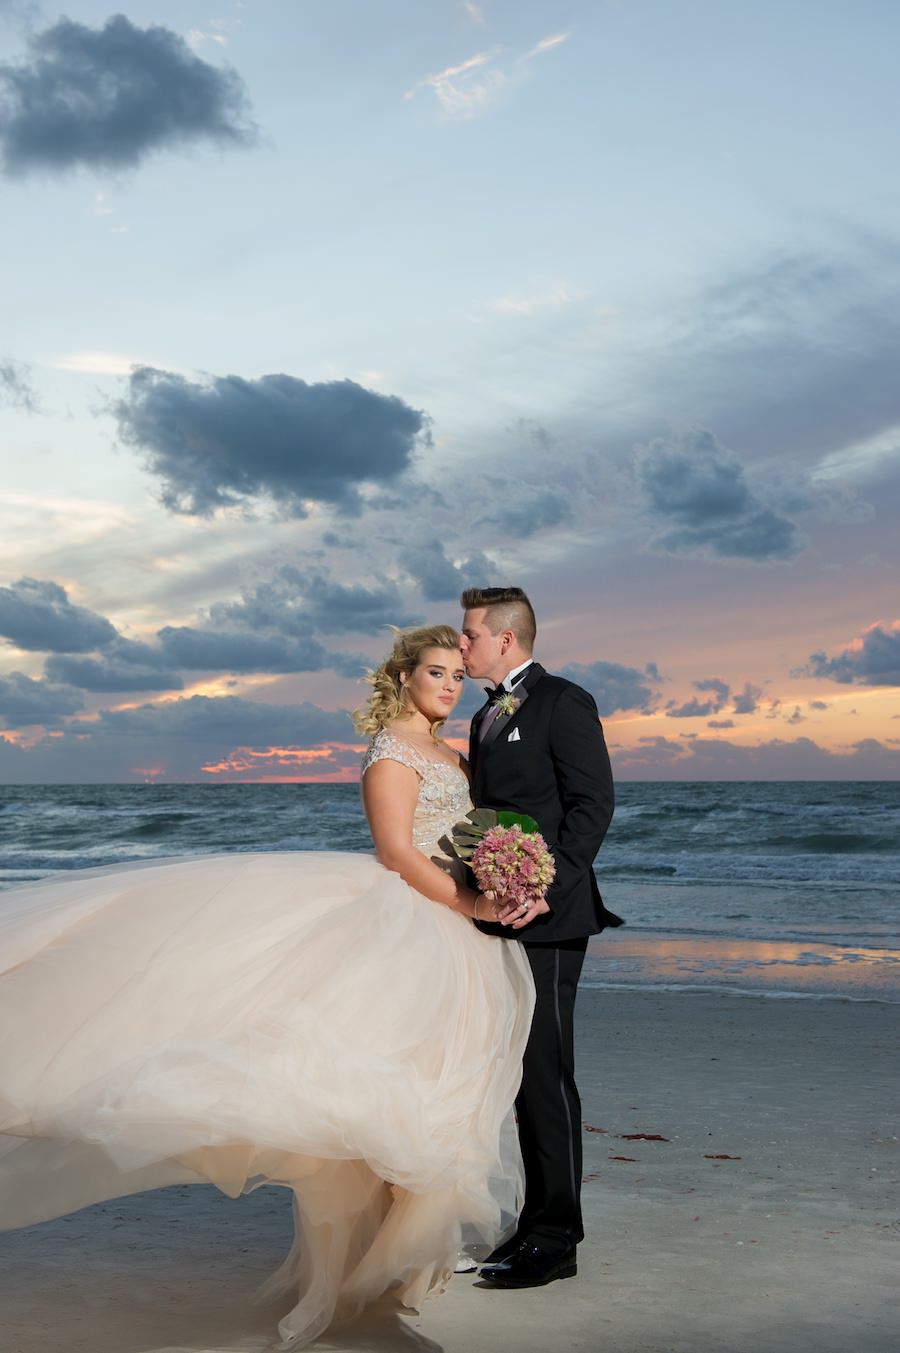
x: 523, y: 510
x: 124, y: 666
x: 222, y: 722
x: 269, y: 630
x: 185, y: 739
x: 38, y: 616
x: 207, y: 650
x: 539, y: 487
x: 228, y: 441
x: 439, y: 577
x: 721, y: 723
x: 720, y: 688
x: 760, y: 538
x: 199, y: 736
x: 697, y: 709
x: 797, y: 351
x: 692, y: 709
x: 692, y: 479
x: 24, y: 702
x: 410, y: 496
x: 872, y: 660
x: 15, y: 386
x: 108, y: 97
x: 700, y: 490
x: 747, y: 702
x: 818, y: 704
x: 798, y: 493
x: 660, y: 758
x: 298, y: 601
x: 272, y: 627
x: 614, y: 686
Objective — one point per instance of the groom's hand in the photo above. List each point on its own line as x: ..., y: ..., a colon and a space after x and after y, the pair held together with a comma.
x: 511, y: 913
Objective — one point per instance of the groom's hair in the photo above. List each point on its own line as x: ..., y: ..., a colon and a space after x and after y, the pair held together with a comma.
x: 506, y: 608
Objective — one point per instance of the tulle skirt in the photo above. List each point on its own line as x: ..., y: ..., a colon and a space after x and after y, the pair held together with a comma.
x: 303, y: 1019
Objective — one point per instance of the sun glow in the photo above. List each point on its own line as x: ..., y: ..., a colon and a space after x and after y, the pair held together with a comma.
x: 335, y: 762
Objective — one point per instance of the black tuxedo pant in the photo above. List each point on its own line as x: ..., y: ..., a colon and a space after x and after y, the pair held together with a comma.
x: 548, y: 1106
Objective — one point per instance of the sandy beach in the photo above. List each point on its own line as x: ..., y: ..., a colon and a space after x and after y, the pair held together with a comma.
x: 740, y: 1197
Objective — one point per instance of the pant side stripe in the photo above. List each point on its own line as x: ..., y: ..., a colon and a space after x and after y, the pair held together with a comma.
x: 562, y: 1081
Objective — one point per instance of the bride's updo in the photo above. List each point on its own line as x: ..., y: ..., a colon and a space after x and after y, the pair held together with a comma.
x: 387, y: 702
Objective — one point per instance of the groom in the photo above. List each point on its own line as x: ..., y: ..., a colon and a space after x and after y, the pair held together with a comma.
x: 546, y: 758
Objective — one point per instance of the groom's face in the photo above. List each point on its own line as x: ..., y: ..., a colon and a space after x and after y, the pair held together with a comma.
x: 482, y: 651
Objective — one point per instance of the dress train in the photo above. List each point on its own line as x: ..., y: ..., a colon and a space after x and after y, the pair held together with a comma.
x: 298, y: 1018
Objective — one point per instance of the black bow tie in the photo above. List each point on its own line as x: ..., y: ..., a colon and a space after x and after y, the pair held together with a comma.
x: 495, y: 693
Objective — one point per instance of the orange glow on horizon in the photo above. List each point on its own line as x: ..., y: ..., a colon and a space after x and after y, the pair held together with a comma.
x: 852, y: 713
x: 212, y: 687
x: 147, y: 772
x: 258, y: 764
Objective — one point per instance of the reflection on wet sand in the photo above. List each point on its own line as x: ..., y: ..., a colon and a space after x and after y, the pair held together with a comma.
x: 771, y: 967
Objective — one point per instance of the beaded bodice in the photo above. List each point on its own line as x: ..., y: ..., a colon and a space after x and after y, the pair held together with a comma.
x: 443, y: 789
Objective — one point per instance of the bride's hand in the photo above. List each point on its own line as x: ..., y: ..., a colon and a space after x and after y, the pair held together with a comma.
x: 496, y: 908
x: 488, y: 907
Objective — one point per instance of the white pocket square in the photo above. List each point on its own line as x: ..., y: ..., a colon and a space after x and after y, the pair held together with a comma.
x: 514, y: 736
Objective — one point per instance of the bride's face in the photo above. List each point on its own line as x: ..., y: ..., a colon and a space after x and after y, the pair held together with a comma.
x: 436, y: 684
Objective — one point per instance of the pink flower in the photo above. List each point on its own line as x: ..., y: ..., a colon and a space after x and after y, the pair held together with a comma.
x: 513, y: 863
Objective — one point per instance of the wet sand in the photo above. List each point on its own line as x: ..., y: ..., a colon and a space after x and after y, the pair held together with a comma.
x: 764, y: 1221
x: 745, y: 966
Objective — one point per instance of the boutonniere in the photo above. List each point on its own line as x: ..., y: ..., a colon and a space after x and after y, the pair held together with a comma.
x: 508, y: 703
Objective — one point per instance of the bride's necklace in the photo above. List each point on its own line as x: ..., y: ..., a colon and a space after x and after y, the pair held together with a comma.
x: 414, y: 733
x: 424, y: 740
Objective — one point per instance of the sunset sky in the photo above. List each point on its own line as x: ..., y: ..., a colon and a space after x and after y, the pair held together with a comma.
x: 317, y: 311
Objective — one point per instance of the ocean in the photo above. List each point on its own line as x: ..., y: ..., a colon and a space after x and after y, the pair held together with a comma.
x: 787, y: 888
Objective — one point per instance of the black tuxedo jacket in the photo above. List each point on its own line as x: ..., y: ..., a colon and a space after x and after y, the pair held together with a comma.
x: 549, y: 759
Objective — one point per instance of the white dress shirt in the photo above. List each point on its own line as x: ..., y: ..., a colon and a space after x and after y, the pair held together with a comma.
x: 507, y: 682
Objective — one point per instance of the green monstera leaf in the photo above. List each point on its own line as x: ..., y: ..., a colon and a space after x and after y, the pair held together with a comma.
x: 482, y: 819
x: 466, y: 835
x: 527, y: 824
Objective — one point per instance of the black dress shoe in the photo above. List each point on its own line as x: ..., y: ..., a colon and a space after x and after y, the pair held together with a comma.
x: 530, y: 1266
x: 503, y: 1251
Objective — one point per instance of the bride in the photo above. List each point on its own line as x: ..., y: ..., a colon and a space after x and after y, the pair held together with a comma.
x: 327, y: 1021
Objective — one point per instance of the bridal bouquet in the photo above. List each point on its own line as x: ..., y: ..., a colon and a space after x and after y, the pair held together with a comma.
x: 506, y: 853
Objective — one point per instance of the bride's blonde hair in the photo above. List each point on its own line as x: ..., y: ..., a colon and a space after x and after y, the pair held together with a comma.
x: 387, y: 702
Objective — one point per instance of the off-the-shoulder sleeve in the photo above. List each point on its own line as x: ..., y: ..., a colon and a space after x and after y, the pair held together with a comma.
x: 385, y: 747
